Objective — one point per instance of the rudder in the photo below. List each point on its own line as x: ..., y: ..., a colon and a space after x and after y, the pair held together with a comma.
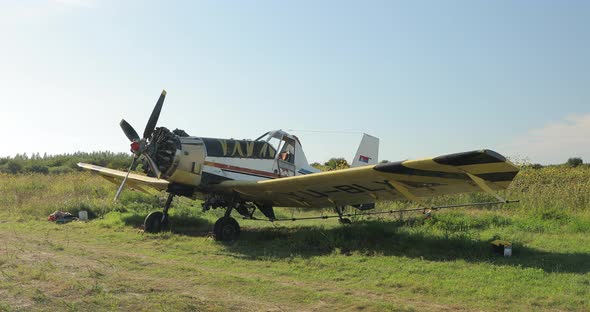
x: 367, y: 153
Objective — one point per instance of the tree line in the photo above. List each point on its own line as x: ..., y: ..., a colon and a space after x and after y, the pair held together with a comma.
x: 62, y: 163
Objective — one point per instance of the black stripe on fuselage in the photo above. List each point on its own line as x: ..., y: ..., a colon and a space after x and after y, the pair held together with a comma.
x: 246, y: 173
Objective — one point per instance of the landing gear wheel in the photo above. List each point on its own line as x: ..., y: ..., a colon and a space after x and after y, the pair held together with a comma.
x: 345, y: 221
x: 226, y: 229
x: 155, y: 223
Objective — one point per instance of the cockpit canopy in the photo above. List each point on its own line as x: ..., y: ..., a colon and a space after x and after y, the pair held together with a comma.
x: 239, y: 148
x: 264, y: 147
x: 282, y: 141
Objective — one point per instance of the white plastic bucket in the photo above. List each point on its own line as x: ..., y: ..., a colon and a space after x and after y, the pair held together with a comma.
x: 83, y: 215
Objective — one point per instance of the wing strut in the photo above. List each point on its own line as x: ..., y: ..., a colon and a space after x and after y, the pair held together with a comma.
x: 485, y: 187
x: 400, y: 187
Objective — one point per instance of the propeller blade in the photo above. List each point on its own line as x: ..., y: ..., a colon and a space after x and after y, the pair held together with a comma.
x: 152, y: 165
x: 129, y: 131
x: 151, y: 124
x: 125, y: 179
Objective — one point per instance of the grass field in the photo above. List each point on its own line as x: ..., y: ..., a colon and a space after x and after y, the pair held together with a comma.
x: 390, y: 263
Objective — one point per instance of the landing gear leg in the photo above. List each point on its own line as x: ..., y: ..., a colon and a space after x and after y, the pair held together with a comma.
x: 226, y: 228
x: 158, y: 221
x: 340, y: 211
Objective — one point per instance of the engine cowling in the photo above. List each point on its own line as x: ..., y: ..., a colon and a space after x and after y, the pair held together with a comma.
x: 178, y: 156
x: 162, y: 147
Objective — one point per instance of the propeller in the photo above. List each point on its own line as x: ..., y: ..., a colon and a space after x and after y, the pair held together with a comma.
x: 125, y: 179
x: 139, y: 145
x: 129, y: 131
x: 151, y: 124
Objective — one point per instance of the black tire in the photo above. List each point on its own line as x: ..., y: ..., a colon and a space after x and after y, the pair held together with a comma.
x: 345, y: 221
x: 226, y: 229
x: 153, y: 222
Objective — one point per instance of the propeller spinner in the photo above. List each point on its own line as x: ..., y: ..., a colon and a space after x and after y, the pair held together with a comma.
x: 139, y: 145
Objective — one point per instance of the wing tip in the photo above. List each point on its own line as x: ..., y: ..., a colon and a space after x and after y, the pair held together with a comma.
x: 477, y: 157
x: 84, y: 165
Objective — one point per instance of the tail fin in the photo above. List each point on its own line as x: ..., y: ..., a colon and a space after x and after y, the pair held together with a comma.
x: 367, y: 153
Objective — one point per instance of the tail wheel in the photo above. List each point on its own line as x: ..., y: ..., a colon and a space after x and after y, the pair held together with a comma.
x: 226, y: 229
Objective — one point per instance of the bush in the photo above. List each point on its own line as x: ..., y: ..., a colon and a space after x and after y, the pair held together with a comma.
x: 574, y: 162
x: 60, y: 170
x: 13, y: 166
x: 337, y: 163
x: 37, y: 169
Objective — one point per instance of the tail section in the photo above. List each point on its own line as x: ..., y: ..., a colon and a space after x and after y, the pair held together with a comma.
x: 367, y: 153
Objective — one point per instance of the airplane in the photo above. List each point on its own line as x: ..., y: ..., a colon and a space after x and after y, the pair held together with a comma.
x: 273, y: 171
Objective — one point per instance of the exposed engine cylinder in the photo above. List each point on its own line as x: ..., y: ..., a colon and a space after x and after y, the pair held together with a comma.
x: 162, y: 146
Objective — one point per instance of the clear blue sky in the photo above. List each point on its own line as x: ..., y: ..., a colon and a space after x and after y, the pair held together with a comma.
x: 426, y: 77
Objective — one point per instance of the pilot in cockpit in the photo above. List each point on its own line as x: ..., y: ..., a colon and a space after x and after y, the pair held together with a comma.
x: 288, y: 153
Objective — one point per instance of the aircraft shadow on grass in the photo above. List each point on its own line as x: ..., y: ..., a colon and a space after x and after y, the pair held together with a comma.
x: 183, y: 225
x: 370, y: 237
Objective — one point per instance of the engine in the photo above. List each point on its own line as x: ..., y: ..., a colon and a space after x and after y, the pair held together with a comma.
x: 162, y: 148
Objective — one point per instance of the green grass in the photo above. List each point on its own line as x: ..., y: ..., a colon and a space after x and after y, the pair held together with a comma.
x: 392, y: 263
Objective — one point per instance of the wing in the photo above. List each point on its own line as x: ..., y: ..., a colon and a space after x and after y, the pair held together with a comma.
x: 411, y: 179
x: 135, y: 181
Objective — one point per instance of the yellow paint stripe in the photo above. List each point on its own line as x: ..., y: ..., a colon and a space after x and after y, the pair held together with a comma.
x: 489, y: 168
